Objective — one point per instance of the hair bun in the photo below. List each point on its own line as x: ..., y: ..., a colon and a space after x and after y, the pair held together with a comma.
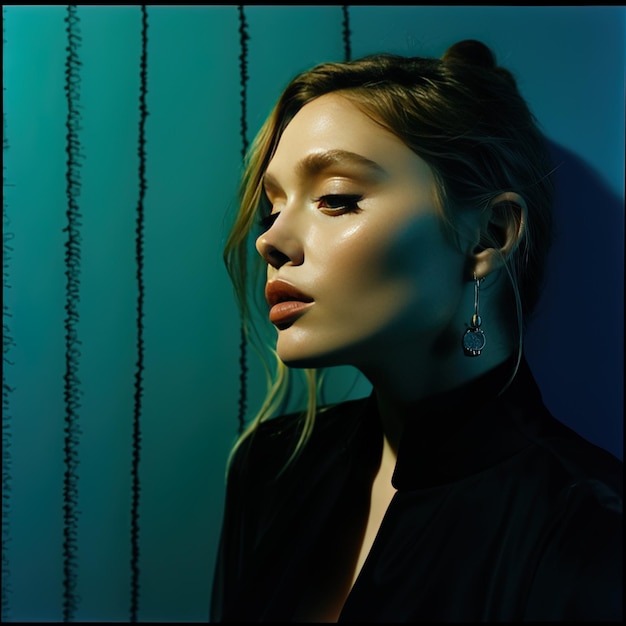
x: 470, y: 51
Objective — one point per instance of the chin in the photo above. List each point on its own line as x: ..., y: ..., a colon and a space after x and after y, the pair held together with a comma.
x: 302, y: 356
x: 304, y: 361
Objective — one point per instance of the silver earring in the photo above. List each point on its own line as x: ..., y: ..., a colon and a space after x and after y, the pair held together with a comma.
x: 474, y: 338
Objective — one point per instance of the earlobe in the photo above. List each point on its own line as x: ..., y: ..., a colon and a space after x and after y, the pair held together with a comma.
x: 502, y: 230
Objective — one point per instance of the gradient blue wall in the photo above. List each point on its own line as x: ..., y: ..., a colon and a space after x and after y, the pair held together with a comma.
x: 570, y: 65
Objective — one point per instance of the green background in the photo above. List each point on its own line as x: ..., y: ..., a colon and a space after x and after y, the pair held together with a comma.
x: 569, y: 62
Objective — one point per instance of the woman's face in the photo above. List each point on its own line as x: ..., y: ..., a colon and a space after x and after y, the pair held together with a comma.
x: 355, y: 229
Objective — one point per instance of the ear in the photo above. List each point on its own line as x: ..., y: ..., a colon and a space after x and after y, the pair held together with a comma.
x: 502, y: 229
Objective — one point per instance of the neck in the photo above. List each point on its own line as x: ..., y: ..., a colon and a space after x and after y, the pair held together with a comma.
x: 401, y: 384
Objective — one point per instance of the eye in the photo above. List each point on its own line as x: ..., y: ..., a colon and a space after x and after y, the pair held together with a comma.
x: 339, y: 204
x: 266, y: 216
x: 267, y: 221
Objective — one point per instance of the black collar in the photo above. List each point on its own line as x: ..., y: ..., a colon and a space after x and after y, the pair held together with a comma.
x: 461, y: 432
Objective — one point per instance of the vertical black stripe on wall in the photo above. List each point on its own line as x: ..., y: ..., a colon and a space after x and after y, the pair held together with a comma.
x: 7, y: 343
x: 136, y: 488
x: 347, y: 48
x: 72, y: 390
x: 243, y: 77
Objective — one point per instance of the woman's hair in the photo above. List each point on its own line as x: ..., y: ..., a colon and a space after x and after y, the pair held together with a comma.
x: 465, y: 117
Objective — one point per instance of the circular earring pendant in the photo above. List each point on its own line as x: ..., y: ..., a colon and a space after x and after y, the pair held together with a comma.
x: 473, y: 341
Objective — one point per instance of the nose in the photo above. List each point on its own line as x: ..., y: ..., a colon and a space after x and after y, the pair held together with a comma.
x: 280, y: 245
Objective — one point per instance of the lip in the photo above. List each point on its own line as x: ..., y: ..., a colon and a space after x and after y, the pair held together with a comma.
x: 286, y: 302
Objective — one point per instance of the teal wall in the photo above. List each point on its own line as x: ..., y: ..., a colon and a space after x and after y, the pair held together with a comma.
x: 570, y: 65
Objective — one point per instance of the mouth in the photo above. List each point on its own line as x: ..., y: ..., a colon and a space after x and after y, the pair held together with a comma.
x: 286, y: 302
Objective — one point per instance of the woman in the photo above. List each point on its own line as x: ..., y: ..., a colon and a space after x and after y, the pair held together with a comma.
x: 405, y: 212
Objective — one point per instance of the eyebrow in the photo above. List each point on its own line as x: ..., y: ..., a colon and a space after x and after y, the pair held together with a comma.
x: 317, y: 162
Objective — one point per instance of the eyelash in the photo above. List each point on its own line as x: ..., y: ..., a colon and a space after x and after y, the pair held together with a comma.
x: 344, y: 203
x: 267, y: 221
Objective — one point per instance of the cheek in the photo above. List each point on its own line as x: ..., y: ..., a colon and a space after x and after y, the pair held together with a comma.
x: 421, y: 252
x: 349, y: 261
x: 382, y: 270
x: 423, y: 257
x: 351, y: 284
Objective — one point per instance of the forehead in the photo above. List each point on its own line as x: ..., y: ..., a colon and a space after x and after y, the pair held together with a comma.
x: 331, y: 128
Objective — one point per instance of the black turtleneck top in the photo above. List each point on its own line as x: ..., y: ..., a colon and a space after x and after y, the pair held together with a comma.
x: 502, y: 513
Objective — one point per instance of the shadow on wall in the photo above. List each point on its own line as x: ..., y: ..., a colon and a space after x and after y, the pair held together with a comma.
x: 575, y: 345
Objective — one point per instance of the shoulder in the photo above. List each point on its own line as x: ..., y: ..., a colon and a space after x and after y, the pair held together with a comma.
x: 579, y: 573
x: 579, y: 468
x: 579, y: 568
x: 573, y: 474
x: 557, y: 454
x: 577, y: 494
